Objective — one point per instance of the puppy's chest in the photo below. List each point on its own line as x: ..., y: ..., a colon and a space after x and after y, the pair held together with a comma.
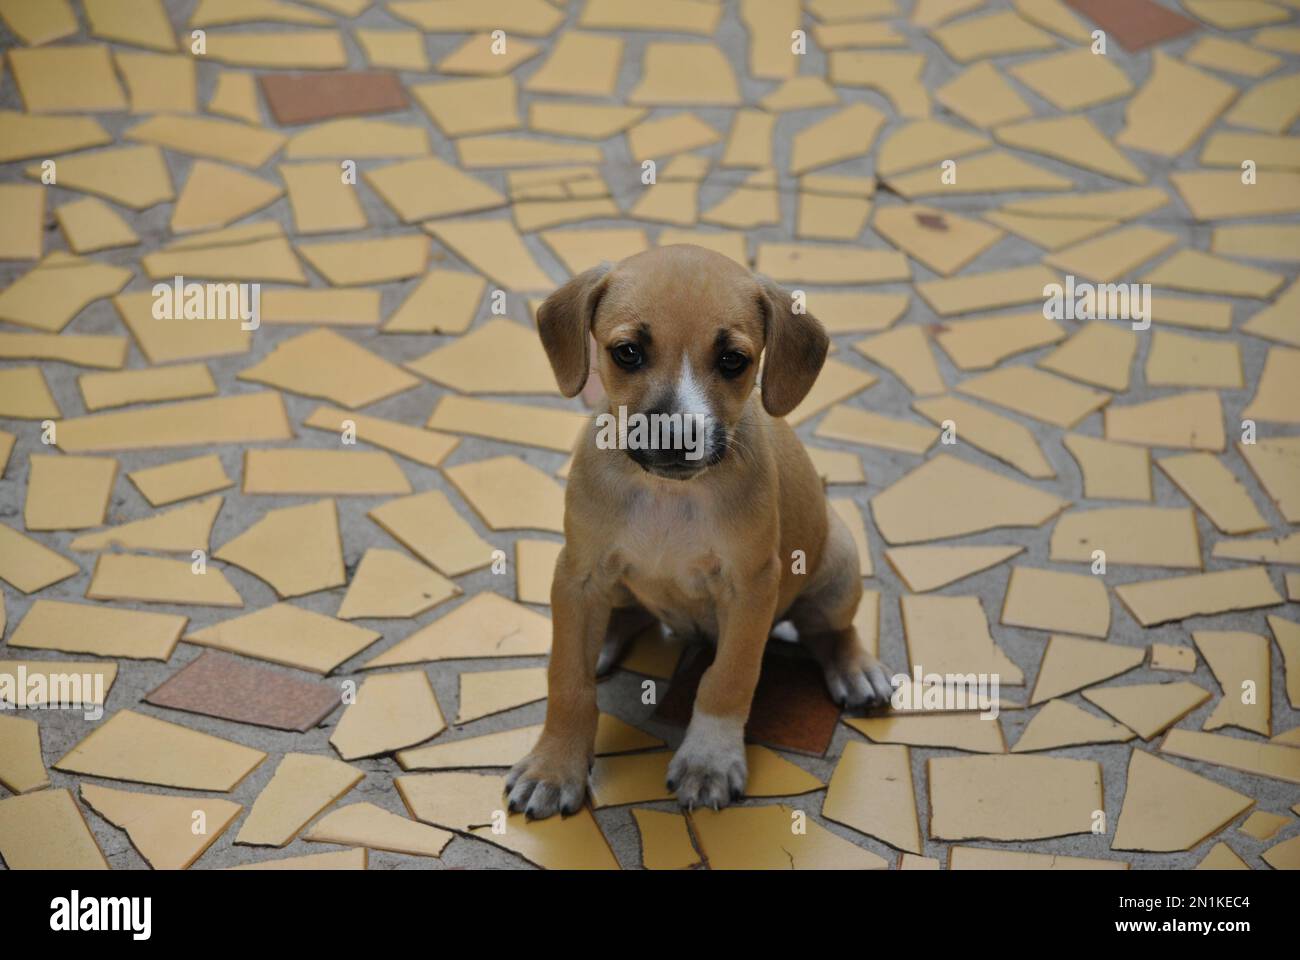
x: 667, y: 549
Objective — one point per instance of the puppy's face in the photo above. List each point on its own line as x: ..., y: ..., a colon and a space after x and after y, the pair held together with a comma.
x: 679, y: 332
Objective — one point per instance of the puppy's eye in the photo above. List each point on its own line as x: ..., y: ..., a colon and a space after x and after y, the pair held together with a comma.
x: 628, y: 356
x: 732, y: 364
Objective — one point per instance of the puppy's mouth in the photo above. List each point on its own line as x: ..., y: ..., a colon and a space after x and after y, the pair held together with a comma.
x: 673, y: 471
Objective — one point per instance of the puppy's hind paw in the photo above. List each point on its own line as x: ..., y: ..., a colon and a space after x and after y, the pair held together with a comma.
x: 540, y: 786
x: 859, y: 685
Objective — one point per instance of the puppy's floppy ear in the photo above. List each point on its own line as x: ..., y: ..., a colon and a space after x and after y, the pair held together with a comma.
x: 564, y: 323
x: 794, y: 351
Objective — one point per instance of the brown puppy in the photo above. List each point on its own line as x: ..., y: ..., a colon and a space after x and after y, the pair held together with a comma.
x: 722, y: 536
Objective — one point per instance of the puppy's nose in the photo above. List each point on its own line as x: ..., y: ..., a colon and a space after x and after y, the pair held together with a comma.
x: 673, y: 443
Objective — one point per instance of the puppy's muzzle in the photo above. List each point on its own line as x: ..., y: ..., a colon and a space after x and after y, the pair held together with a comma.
x: 677, y: 445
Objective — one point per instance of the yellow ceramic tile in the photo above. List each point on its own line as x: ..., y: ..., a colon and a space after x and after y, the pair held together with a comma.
x: 1276, y: 464
x: 216, y: 196
x: 1186, y: 421
x: 1012, y: 797
x: 39, y: 23
x: 389, y: 584
x: 99, y: 630
x: 21, y: 768
x: 90, y: 225
x: 421, y: 446
x: 981, y: 96
x: 135, y: 177
x: 391, y: 711
x: 1071, y: 664
x: 179, y: 530
x: 760, y: 838
x: 394, y: 49
x: 1276, y: 397
x: 955, y: 731
x: 929, y: 568
x: 235, y: 96
x: 1100, y: 353
x: 30, y: 566
x: 500, y: 356
x: 67, y: 79
x: 483, y: 55
x: 294, y: 549
x: 678, y: 74
x: 324, y: 364
x: 1167, y: 807
x: 486, y: 692
x: 1236, y: 753
x: 25, y: 135
x: 68, y: 493
x: 1153, y: 602
x: 510, y: 494
x: 1143, y: 536
x: 142, y: 749
x: 946, y: 497
x: 303, y: 786
x: 373, y: 827
x: 322, y: 473
x: 847, y: 133
x: 429, y: 526
x: 1207, y: 482
x: 159, y: 83
x: 951, y: 635
x: 665, y: 841
x: 287, y: 635
x: 46, y: 830
x: 1238, y: 660
x: 1173, y: 108
x: 282, y: 49
x: 1062, y: 724
x: 161, y: 826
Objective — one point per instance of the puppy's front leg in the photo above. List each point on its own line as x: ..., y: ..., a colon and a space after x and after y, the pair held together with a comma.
x: 709, y: 768
x: 553, y: 777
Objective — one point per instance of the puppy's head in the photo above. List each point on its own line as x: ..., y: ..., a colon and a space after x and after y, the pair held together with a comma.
x: 679, y: 331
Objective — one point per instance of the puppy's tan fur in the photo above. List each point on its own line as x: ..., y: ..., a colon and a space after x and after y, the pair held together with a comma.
x: 714, y: 554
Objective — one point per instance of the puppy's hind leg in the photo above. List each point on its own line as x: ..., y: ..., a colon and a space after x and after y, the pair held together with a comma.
x: 625, y: 624
x: 823, y: 616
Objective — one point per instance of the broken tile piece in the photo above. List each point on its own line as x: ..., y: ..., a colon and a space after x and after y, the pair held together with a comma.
x: 22, y: 769
x: 509, y: 494
x: 180, y: 479
x: 366, y: 825
x: 50, y: 295
x: 929, y: 568
x: 1167, y: 656
x: 289, y: 636
x: 351, y: 263
x: 28, y: 565
x: 1074, y: 80
x: 67, y: 493
x: 391, y: 711
x: 486, y: 692
x: 848, y: 133
x: 161, y: 826
x: 1149, y: 708
x: 121, y: 388
x: 1088, y: 148
x: 1056, y: 601
x: 322, y: 472
x: 99, y: 630
x: 91, y: 225
x: 487, y: 625
x: 883, y: 773
x: 906, y: 352
x: 180, y: 530
x: 76, y: 78
x: 1159, y: 601
x: 122, y: 576
x: 218, y: 685
x: 955, y: 731
x: 1263, y: 825
x: 665, y: 841
x: 996, y: 435
x: 533, y: 426
x: 1168, y: 808
x: 1277, y: 399
x: 1208, y: 483
x: 428, y: 525
x: 321, y: 363
x: 428, y: 187
x: 303, y: 785
x: 1240, y: 662
x: 46, y: 830
x: 855, y: 425
x: 1062, y: 724
x: 1142, y: 536
x: 142, y: 749
x: 1070, y: 664
x: 1012, y: 797
x: 1222, y: 857
x: 950, y: 635
x: 1261, y: 759
x: 1276, y: 464
x: 1099, y: 353
x: 297, y: 550
x: 676, y: 74
x: 981, y: 96
x: 1034, y: 393
x: 389, y: 584
x: 759, y: 838
x: 1186, y: 421
x: 947, y: 497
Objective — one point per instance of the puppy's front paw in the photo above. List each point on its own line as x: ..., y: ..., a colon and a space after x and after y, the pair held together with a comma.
x: 552, y: 779
x: 858, y: 681
x: 709, y: 768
